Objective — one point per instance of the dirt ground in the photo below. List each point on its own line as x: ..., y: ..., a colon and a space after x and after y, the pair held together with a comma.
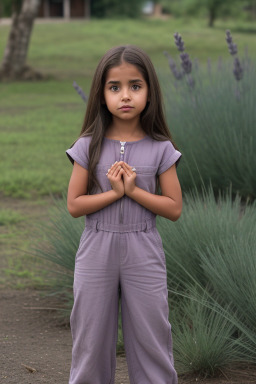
x: 36, y: 347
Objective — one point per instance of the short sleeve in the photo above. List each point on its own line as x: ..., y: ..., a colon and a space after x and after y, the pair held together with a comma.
x: 170, y: 156
x: 79, y: 152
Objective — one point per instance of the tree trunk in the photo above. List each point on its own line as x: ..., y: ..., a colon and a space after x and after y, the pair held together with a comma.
x: 14, y: 61
x: 212, y: 16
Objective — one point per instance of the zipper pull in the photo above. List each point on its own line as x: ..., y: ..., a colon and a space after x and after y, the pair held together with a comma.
x: 122, y: 147
x: 122, y: 143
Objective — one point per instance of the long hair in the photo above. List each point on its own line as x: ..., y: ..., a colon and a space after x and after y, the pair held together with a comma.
x: 98, y: 118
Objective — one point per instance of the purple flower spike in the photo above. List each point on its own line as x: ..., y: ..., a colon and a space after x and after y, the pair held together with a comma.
x: 80, y: 91
x: 179, y: 42
x: 231, y: 46
x: 238, y: 70
x: 186, y: 62
x: 177, y: 74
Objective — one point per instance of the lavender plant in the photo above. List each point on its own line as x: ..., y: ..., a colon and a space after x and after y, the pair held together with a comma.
x: 176, y: 73
x: 80, y: 92
x: 186, y: 63
x: 214, y: 124
x: 238, y: 70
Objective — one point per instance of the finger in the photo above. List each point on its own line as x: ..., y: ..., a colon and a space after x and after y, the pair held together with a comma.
x: 132, y: 169
x: 116, y: 171
x: 112, y: 168
x: 127, y: 165
x: 128, y: 169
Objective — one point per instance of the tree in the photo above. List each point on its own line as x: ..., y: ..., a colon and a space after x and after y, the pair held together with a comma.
x: 13, y: 65
x: 116, y: 8
x: 214, y: 8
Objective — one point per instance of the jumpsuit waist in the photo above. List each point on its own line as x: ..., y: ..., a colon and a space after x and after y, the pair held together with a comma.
x: 97, y: 225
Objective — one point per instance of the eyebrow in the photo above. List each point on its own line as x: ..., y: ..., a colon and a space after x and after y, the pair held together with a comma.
x: 130, y: 81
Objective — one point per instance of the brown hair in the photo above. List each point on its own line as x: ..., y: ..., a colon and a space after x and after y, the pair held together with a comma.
x: 98, y: 118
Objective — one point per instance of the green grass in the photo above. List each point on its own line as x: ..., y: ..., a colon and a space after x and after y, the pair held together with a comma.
x: 39, y: 120
x: 9, y: 216
x: 19, y: 219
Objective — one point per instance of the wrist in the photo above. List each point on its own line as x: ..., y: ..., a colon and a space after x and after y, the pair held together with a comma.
x: 117, y: 194
x: 132, y: 192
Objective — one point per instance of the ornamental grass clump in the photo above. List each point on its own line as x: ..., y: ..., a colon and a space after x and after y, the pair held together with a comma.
x: 59, y: 243
x: 204, y: 340
x: 211, y: 266
x: 214, y: 122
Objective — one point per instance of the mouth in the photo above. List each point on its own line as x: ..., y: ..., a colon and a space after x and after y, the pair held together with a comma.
x: 126, y: 107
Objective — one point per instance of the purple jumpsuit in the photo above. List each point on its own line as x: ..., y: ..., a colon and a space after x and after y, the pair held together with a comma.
x: 121, y: 250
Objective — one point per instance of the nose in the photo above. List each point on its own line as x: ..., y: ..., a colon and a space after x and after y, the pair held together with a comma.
x: 125, y: 94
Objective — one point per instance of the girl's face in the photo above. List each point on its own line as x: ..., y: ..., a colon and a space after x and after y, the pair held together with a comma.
x: 125, y: 92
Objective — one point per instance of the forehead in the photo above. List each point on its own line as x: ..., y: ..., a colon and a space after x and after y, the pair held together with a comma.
x: 124, y: 71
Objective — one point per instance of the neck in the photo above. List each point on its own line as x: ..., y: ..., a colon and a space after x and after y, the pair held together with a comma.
x: 125, y: 130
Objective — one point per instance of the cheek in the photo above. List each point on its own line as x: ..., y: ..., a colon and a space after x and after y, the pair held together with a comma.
x: 144, y: 99
x: 108, y: 99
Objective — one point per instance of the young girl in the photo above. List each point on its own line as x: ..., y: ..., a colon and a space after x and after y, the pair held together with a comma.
x: 123, y: 154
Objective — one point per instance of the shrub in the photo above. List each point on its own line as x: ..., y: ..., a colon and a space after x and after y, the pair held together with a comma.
x: 203, y: 337
x: 212, y: 115
x: 210, y: 257
x: 60, y: 239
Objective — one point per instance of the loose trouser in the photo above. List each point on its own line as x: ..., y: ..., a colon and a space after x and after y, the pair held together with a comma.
x: 110, y: 260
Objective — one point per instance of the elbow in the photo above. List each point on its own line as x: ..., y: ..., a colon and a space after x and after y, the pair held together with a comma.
x: 72, y: 210
x: 175, y: 214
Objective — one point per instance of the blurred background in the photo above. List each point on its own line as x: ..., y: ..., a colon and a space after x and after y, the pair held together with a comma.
x: 204, y: 52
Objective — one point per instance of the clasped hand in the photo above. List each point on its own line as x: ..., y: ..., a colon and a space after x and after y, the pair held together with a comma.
x: 122, y: 178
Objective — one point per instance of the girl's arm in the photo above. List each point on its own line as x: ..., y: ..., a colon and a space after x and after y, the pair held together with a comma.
x: 168, y: 205
x: 79, y: 203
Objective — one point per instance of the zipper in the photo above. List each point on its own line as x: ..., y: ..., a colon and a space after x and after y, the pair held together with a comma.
x: 122, y: 149
x: 122, y: 143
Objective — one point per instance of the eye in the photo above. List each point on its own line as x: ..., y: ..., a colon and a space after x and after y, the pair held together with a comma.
x: 136, y: 87
x: 114, y: 88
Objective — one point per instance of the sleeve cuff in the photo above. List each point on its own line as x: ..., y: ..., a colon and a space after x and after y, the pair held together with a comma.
x: 175, y: 158
x: 73, y: 156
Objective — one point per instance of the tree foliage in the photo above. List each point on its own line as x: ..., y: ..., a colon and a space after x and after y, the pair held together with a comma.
x: 213, y: 8
x: 116, y: 8
x: 9, y: 6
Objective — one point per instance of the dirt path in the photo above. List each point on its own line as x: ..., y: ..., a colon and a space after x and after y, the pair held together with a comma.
x: 33, y: 337
x: 36, y: 348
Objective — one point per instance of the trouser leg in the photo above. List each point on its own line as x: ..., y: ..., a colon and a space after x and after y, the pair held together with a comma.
x: 94, y: 317
x: 144, y: 301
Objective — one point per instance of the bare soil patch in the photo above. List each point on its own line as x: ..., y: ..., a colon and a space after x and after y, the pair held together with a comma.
x: 36, y: 347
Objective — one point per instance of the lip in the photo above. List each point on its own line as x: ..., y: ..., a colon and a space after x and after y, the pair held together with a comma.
x: 126, y: 107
